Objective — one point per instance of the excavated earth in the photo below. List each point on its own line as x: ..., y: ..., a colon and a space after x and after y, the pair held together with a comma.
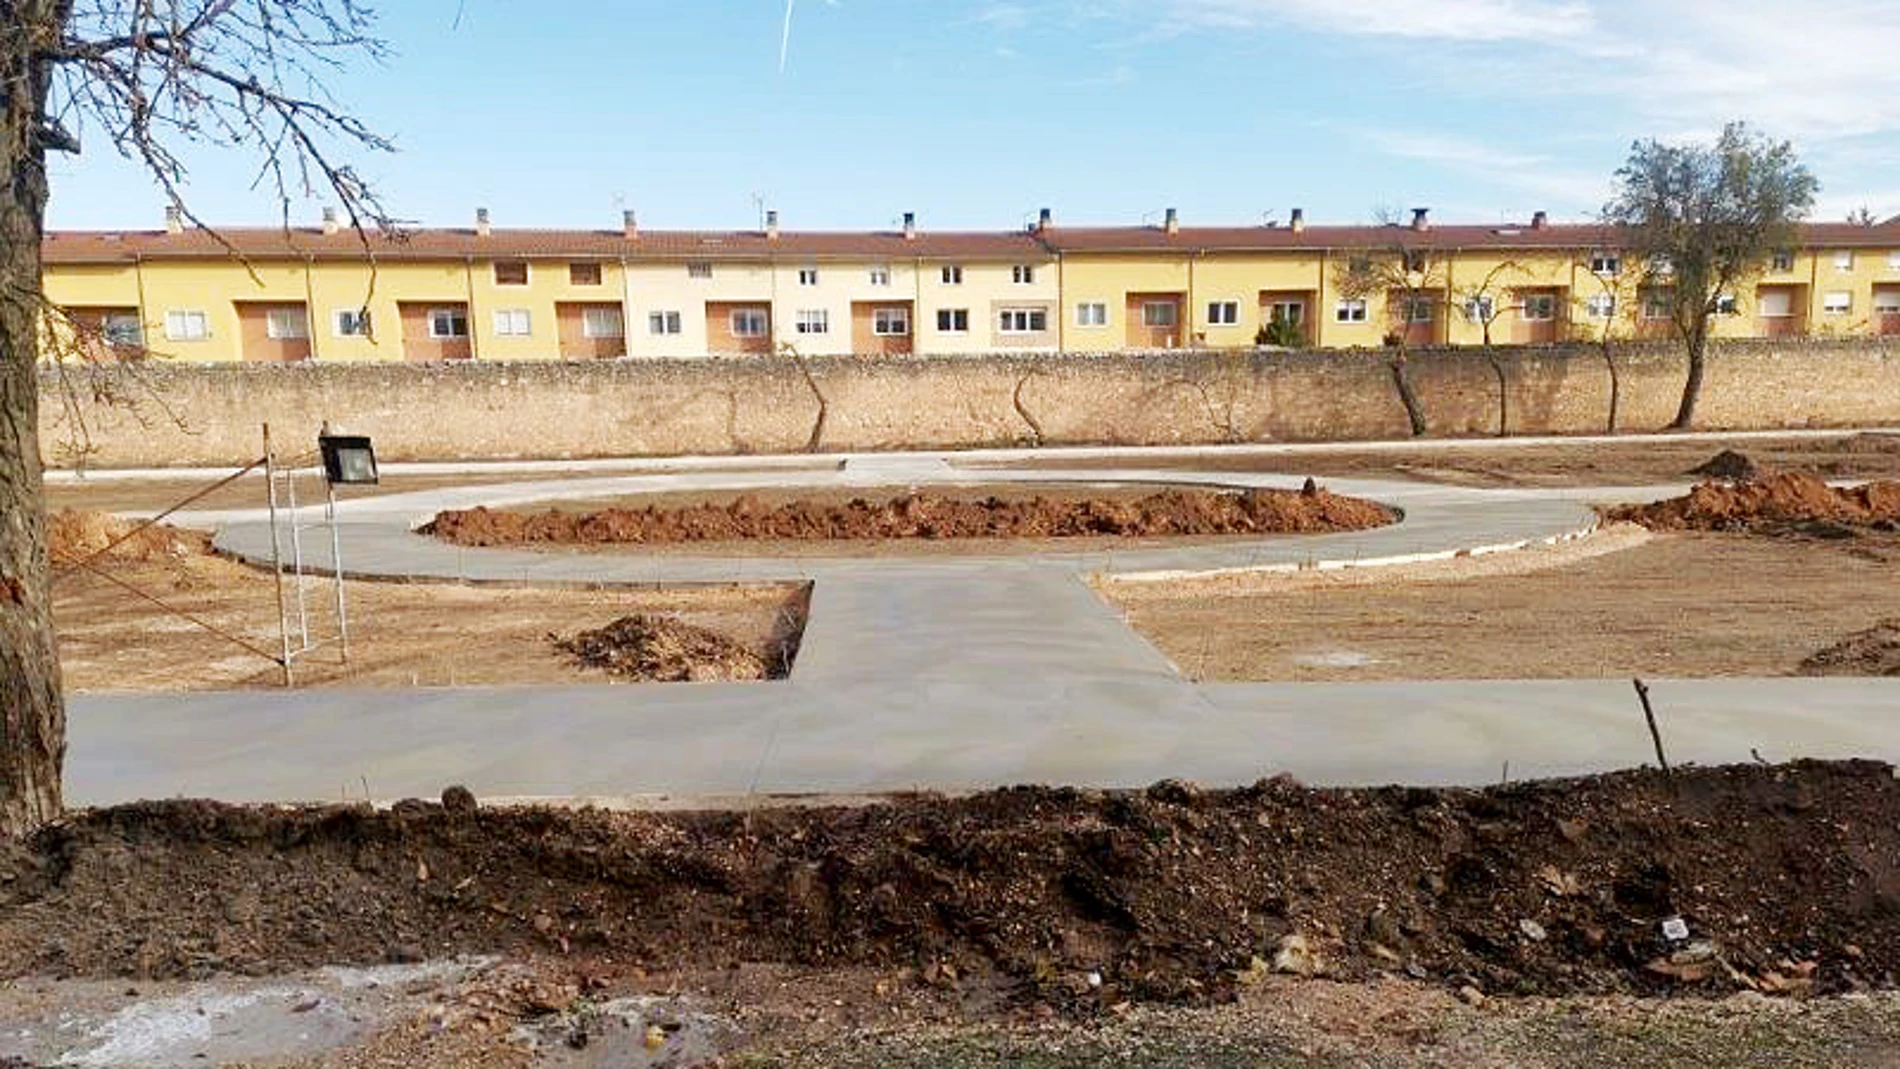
x: 926, y: 515
x: 1783, y: 503
x: 660, y: 649
x: 1786, y: 879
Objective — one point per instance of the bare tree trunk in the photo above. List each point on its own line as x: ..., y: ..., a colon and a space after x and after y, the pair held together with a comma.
x: 32, y: 718
x: 1414, y: 411
x: 1616, y: 384
x: 1504, y: 393
x: 1692, y: 389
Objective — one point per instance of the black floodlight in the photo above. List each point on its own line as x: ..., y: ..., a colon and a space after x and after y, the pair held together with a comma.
x: 348, y: 460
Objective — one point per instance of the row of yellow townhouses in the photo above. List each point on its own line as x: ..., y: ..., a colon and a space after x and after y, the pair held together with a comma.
x: 327, y: 293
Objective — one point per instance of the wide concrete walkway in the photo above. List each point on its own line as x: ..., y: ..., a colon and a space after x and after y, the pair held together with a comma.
x: 934, y: 672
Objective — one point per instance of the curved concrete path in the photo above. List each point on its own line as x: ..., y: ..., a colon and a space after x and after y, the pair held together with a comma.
x: 942, y: 672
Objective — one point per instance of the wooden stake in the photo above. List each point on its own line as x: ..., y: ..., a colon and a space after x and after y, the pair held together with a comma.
x: 1649, y: 714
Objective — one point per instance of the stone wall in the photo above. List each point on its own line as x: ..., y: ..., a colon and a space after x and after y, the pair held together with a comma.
x: 762, y: 404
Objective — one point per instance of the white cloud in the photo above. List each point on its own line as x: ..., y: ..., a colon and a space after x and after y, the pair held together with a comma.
x: 1464, y: 20
x: 1533, y: 174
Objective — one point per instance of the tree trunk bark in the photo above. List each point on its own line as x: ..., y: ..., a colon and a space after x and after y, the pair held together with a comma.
x: 32, y: 718
x: 1692, y: 389
x: 1414, y: 411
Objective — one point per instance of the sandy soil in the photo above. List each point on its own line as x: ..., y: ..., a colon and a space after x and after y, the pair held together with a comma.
x: 1856, y: 455
x: 1679, y: 604
x: 103, y: 492
x: 401, y: 634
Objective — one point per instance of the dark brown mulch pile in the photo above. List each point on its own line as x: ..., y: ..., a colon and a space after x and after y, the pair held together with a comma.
x: 925, y: 515
x: 1727, y: 464
x: 1873, y: 652
x: 660, y: 649
x: 1787, y: 877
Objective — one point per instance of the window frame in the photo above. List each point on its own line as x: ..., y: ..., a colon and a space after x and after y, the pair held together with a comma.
x: 1030, y: 320
x: 1728, y: 304
x: 764, y: 322
x: 670, y: 322
x: 1101, y: 314
x: 1606, y: 264
x: 1022, y: 274
x: 1843, y: 260
x: 808, y: 276
x: 951, y: 274
x: 112, y: 328
x: 301, y: 332
x: 1546, y: 301
x: 454, y: 315
x: 1846, y: 306
x: 619, y: 322
x: 1297, y: 319
x: 1149, y: 319
x: 1414, y: 304
x: 880, y: 274
x: 1892, y: 307
x: 881, y: 322
x: 186, y: 316
x: 359, y: 318
x: 1229, y: 313
x: 1351, y: 310
x: 957, y: 318
x: 1781, y: 261
x: 1600, y: 306
x: 1471, y: 309
x: 699, y: 270
x: 812, y: 321
x: 527, y: 274
x: 506, y: 320
x: 577, y: 270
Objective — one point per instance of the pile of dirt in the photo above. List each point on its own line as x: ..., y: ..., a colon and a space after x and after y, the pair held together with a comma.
x: 662, y: 649
x: 1728, y: 464
x: 1768, y: 878
x: 1773, y: 503
x: 74, y: 535
x: 1873, y: 652
x: 926, y: 515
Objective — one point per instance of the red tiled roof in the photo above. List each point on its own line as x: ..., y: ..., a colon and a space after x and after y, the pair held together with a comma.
x: 1457, y: 236
x: 95, y: 246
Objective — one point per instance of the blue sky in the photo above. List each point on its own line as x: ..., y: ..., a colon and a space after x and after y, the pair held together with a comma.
x: 974, y: 114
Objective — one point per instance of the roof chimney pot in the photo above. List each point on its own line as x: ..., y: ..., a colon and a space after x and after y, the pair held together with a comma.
x: 174, y: 220
x: 910, y: 226
x: 1297, y: 221
x: 629, y: 224
x: 1540, y: 220
x: 1421, y: 218
x: 1044, y: 220
x: 482, y: 228
x: 330, y: 224
x: 771, y: 225
x: 1173, y: 222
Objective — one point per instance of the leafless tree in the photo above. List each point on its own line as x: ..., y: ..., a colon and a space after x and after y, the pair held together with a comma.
x: 1485, y: 302
x: 1612, y: 306
x: 148, y: 78
x: 1410, y: 275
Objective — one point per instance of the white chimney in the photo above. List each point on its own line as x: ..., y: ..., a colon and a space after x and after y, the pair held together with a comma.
x: 910, y: 226
x: 330, y: 224
x: 1173, y: 222
x: 1297, y: 221
x: 629, y: 225
x: 481, y: 222
x: 771, y: 225
x: 1421, y: 218
x: 174, y: 220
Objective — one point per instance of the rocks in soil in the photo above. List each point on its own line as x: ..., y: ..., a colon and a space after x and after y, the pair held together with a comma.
x: 662, y: 649
x: 1728, y: 464
x: 1873, y: 652
x: 1781, y: 503
x: 925, y: 515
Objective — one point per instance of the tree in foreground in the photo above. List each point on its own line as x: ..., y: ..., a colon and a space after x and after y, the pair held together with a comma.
x: 1700, y: 220
x: 150, y: 77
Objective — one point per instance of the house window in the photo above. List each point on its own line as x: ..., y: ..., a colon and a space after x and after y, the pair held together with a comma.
x: 1887, y: 302
x: 1602, y: 306
x: 122, y: 328
x: 699, y: 269
x: 808, y: 276
x: 953, y: 320
x: 602, y: 323
x: 1159, y: 314
x: 283, y: 324
x: 1478, y: 309
x: 880, y: 276
x: 511, y: 272
x: 1023, y: 321
x: 1350, y: 311
x: 1091, y: 314
x: 586, y: 273
x: 1893, y: 259
x: 1837, y: 302
x: 1540, y: 307
x: 1607, y: 264
x: 512, y: 323
x: 1843, y: 259
x: 952, y: 275
x: 1418, y: 310
x: 1223, y: 313
x: 1725, y: 305
x: 813, y: 321
x: 1292, y: 313
x: 890, y: 322
x: 1783, y: 260
x: 750, y: 323
x: 1415, y: 262
x: 1022, y: 274
x: 351, y: 322
x: 187, y: 326
x: 663, y: 323
x: 448, y: 323
x: 1656, y: 304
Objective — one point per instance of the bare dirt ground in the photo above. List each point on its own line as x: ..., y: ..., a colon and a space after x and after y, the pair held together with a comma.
x: 401, y: 634
x: 1690, y: 604
x: 104, y: 493
x: 1509, y: 926
x: 1646, y: 463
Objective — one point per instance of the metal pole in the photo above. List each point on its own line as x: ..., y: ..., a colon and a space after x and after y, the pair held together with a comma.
x: 276, y: 553
x: 296, y: 556
x: 336, y: 563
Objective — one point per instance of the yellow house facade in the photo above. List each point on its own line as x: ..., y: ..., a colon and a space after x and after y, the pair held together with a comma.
x: 328, y: 294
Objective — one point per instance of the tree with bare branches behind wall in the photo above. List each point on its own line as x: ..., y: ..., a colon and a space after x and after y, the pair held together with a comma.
x: 146, y: 79
x: 1411, y: 278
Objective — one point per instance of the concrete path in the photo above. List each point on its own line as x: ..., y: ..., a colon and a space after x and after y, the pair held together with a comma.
x: 933, y: 672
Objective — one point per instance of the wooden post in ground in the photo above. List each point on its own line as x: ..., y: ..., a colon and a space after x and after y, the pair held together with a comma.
x: 1649, y: 714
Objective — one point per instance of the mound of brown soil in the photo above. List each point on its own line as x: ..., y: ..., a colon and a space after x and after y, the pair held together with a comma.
x: 1784, y: 876
x: 1773, y: 501
x: 1728, y: 464
x: 925, y: 515
x: 74, y: 535
x: 660, y: 649
x: 1873, y: 652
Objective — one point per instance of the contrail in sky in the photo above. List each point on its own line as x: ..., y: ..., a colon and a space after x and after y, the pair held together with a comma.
x: 785, y: 42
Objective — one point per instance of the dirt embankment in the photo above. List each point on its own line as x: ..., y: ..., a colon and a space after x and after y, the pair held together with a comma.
x: 663, y: 649
x: 1775, y: 503
x: 926, y: 515
x: 77, y: 535
x: 1785, y: 877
